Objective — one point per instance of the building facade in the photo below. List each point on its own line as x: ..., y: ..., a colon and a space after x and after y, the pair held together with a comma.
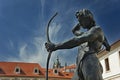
x: 32, y: 71
x: 111, y: 62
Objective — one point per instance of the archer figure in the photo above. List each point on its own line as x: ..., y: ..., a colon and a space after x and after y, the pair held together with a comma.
x: 89, y: 42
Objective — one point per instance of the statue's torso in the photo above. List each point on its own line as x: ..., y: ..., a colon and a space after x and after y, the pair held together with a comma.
x: 90, y: 47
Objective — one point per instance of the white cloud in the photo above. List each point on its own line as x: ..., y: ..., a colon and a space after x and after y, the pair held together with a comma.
x: 42, y: 8
x: 54, y: 31
x: 39, y: 56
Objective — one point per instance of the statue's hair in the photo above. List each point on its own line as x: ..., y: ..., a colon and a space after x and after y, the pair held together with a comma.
x: 85, y: 13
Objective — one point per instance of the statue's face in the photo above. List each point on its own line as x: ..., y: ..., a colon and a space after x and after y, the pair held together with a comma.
x: 84, y: 22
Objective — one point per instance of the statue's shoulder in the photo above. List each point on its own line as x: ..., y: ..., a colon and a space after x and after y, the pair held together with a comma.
x: 96, y: 28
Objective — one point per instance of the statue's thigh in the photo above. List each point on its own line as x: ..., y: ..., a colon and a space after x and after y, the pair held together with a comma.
x: 91, y: 68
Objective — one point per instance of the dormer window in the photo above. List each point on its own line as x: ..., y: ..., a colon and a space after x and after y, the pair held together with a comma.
x: 17, y: 70
x: 55, y: 71
x: 36, y: 70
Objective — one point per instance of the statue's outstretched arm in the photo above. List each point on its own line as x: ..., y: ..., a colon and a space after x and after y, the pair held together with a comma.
x: 89, y: 36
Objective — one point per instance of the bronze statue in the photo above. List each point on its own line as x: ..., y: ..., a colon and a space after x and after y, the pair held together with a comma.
x: 89, y: 42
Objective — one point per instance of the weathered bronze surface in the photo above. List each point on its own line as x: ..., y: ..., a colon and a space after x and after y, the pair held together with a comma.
x: 89, y: 42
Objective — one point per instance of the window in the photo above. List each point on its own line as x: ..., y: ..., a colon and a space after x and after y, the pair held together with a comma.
x: 119, y: 53
x: 107, y: 66
x: 36, y: 71
x: 17, y: 70
x: 119, y: 56
x: 55, y: 71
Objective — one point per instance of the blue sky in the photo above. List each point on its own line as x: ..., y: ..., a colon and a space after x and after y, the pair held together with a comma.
x: 23, y: 24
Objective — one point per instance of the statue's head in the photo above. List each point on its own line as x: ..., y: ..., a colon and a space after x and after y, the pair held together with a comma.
x: 85, y: 17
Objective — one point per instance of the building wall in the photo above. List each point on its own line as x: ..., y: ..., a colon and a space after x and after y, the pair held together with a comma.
x: 28, y: 78
x: 20, y: 78
x: 114, y: 64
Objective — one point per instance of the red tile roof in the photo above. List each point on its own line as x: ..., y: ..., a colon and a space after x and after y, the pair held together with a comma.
x: 60, y: 74
x: 73, y: 66
x: 26, y: 69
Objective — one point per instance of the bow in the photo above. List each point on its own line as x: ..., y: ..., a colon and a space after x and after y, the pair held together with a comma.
x: 48, y: 40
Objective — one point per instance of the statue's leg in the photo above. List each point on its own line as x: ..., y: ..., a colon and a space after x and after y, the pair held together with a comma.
x: 91, y: 68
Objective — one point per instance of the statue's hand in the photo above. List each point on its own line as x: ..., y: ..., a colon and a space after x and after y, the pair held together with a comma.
x: 50, y: 46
